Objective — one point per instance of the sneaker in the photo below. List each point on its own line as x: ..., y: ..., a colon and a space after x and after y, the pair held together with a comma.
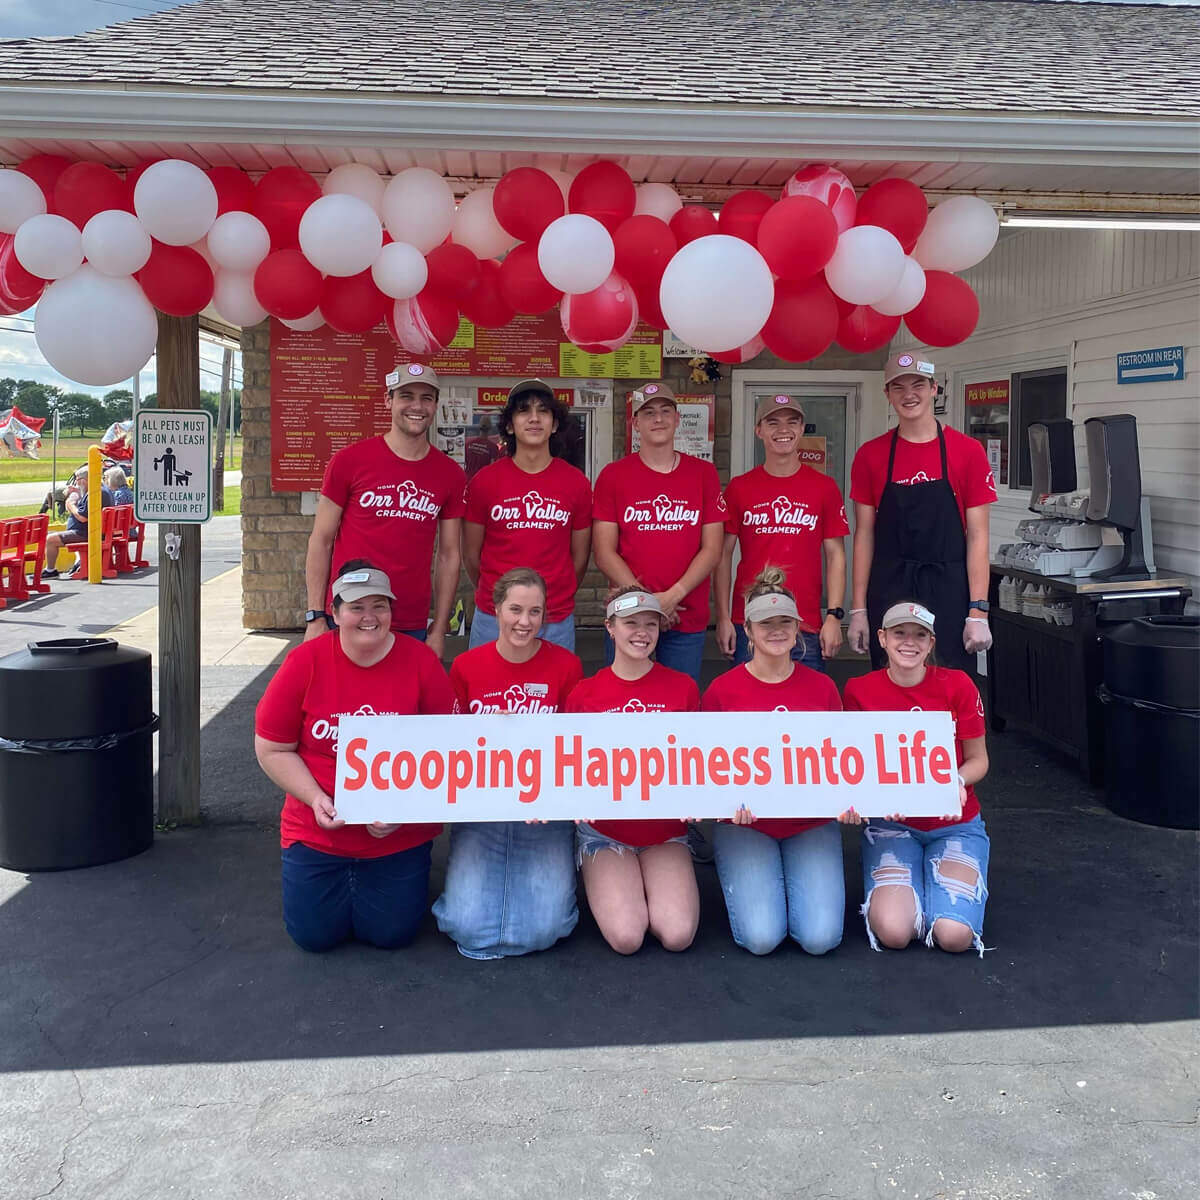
x: 49, y: 573
x: 699, y: 846
x: 73, y: 573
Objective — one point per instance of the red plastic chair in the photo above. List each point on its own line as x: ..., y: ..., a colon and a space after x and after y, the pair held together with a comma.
x: 12, y: 561
x: 123, y: 522
x: 108, y: 524
x: 35, y: 550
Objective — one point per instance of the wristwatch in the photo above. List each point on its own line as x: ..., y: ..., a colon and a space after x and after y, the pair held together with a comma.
x: 313, y: 613
x: 982, y: 605
x: 840, y: 613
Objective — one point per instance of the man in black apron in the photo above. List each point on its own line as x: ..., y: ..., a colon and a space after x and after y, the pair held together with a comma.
x: 916, y: 537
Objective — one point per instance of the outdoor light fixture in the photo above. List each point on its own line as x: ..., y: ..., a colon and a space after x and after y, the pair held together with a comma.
x: 1100, y: 221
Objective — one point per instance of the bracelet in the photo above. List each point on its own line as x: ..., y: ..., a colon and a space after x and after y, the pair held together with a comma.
x: 962, y: 782
x: 853, y: 611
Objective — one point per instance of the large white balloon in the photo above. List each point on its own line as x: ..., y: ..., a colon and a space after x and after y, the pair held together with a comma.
x: 659, y: 200
x: 418, y: 208
x: 20, y: 199
x: 314, y: 320
x: 355, y: 179
x: 95, y: 329
x: 175, y: 201
x: 48, y: 246
x: 340, y: 235
x: 238, y: 241
x: 400, y: 271
x: 866, y: 266
x: 234, y: 298
x: 717, y: 293
x: 576, y: 253
x: 115, y: 243
x: 475, y: 226
x: 960, y: 232
x: 907, y: 294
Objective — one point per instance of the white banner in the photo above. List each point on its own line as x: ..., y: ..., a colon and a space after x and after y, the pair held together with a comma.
x: 616, y: 766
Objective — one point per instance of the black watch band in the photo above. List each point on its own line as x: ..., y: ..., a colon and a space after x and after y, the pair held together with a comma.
x: 313, y: 613
x: 982, y: 605
x: 840, y: 613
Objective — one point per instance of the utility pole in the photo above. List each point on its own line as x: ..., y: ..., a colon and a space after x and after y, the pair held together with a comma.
x: 223, y: 414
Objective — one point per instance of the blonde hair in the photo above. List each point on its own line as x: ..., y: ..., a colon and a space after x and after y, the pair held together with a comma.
x: 770, y: 581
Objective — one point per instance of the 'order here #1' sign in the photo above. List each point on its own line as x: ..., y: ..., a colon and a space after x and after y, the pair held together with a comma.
x: 614, y: 766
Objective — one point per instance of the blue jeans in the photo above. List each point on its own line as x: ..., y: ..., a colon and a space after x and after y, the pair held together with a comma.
x: 679, y: 651
x: 791, y: 887
x: 807, y: 649
x: 417, y: 634
x: 510, y: 887
x: 899, y: 854
x: 329, y: 899
x: 485, y: 628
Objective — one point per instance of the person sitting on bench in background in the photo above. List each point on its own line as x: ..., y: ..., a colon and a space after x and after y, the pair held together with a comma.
x: 117, y: 482
x: 77, y: 523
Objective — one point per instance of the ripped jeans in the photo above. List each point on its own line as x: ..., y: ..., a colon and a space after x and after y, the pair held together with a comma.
x: 898, y: 854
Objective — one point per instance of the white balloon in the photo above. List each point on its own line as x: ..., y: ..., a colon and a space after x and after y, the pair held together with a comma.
x: 659, y: 200
x: 960, y: 232
x: 95, y: 329
x: 907, y: 294
x: 234, y: 298
x: 175, y: 201
x: 576, y: 253
x: 115, y: 243
x: 314, y: 320
x: 340, y: 234
x: 20, y: 199
x: 418, y: 208
x: 400, y: 271
x: 717, y: 293
x: 48, y: 246
x: 866, y: 266
x: 475, y: 226
x: 358, y: 180
x: 238, y: 241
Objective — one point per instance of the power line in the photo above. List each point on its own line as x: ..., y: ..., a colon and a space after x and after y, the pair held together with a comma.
x: 122, y: 4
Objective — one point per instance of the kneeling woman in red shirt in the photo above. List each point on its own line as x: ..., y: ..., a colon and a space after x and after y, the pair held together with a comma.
x: 638, y: 875
x: 781, y: 876
x: 369, y: 882
x: 925, y: 876
x: 510, y: 885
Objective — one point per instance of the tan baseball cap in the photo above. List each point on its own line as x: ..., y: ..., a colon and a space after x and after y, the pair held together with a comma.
x: 903, y: 614
x: 354, y: 585
x: 906, y: 364
x: 630, y: 603
x: 656, y: 390
x: 412, y: 373
x: 772, y: 604
x: 770, y: 404
x: 540, y: 386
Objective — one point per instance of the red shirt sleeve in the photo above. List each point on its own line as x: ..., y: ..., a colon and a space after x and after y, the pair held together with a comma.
x: 711, y: 700
x: 863, y: 489
x: 968, y: 707
x: 476, y: 503
x: 436, y: 695
x: 979, y: 485
x: 582, y: 507
x: 693, y: 696
x: 459, y: 687
x: 573, y: 676
x: 604, y: 504
x: 833, y: 511
x: 456, y: 486
x: 714, y: 510
x: 280, y: 712
x: 733, y: 507
x: 338, y: 479
x: 851, y: 700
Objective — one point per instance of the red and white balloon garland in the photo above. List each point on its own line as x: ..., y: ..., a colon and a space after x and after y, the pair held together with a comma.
x: 101, y: 252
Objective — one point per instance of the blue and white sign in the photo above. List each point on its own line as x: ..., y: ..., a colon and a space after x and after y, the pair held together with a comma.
x: 1150, y: 366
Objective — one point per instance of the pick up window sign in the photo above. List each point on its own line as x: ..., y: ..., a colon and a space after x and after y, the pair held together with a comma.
x: 1161, y: 365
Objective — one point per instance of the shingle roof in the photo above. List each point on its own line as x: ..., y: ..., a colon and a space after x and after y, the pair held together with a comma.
x: 1018, y: 56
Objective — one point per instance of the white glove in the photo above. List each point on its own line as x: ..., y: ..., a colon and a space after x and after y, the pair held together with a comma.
x: 858, y: 631
x: 976, y: 635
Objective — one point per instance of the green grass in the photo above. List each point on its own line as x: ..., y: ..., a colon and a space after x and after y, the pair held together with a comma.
x: 72, y: 452
x: 233, y: 506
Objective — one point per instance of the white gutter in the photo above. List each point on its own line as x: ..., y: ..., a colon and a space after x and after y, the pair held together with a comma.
x: 136, y: 113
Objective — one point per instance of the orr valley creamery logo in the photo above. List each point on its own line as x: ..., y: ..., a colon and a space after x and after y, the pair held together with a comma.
x: 325, y: 729
x: 662, y: 514
x: 403, y: 499
x: 781, y: 515
x: 516, y: 698
x: 530, y: 511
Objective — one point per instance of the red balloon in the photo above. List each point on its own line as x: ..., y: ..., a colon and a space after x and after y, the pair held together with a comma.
x: 649, y: 308
x: 177, y: 280
x: 845, y: 308
x: 86, y: 188
x: 740, y: 215
x: 453, y: 271
x: 44, y: 170
x: 522, y: 283
x: 485, y: 303
x: 287, y: 285
x: 352, y: 303
x: 601, y: 320
x: 898, y: 206
x: 604, y: 191
x: 803, y: 320
x: 693, y: 221
x: 863, y: 329
x: 644, y: 245
x: 280, y: 198
x: 430, y: 321
x: 525, y: 201
x: 797, y: 237
x: 235, y: 189
x: 948, y: 312
x: 15, y: 281
x: 12, y: 303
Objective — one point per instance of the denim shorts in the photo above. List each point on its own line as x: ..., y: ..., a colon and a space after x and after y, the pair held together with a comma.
x: 898, y: 854
x: 591, y: 841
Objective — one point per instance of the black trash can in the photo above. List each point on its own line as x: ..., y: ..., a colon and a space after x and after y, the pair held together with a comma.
x: 1151, y: 698
x: 76, y: 754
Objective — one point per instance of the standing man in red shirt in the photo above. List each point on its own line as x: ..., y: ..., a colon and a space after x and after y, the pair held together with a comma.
x: 389, y: 498
x: 921, y: 496
x: 784, y: 514
x: 658, y: 522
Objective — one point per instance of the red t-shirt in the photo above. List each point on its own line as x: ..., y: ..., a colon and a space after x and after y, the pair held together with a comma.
x: 390, y: 510
x: 804, y: 690
x: 661, y: 690
x: 527, y: 521
x: 919, y: 462
x: 783, y: 521
x: 660, y: 517
x: 942, y: 690
x: 316, y: 685
x: 485, y: 682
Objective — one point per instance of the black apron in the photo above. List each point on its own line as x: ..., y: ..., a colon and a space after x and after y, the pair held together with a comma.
x: 921, y: 554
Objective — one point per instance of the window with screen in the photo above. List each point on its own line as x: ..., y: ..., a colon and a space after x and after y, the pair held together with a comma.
x: 1037, y: 396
